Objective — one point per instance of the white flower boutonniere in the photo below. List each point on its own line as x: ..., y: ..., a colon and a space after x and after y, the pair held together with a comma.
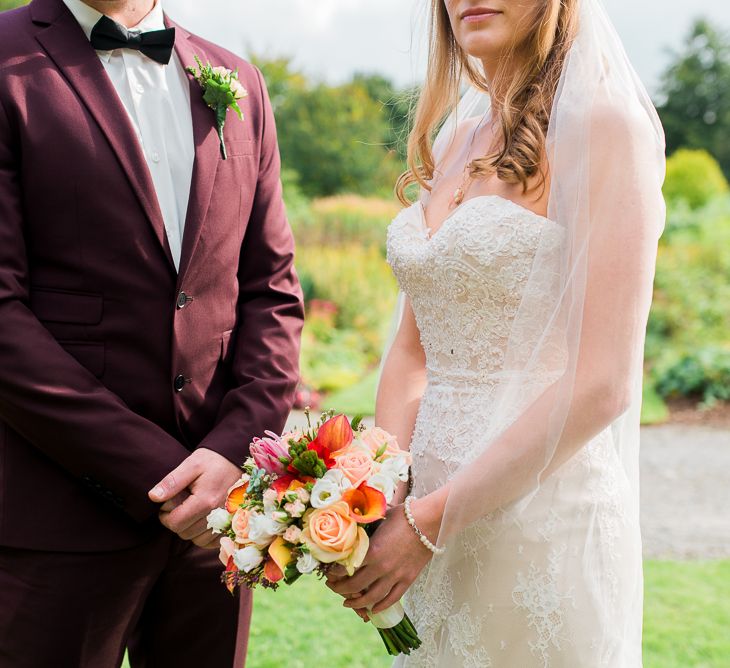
x: 221, y: 92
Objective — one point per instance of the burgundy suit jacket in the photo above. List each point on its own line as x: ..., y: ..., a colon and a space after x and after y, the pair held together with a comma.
x: 113, y: 366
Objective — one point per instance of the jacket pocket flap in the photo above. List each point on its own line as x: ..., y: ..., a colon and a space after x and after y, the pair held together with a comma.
x: 80, y: 308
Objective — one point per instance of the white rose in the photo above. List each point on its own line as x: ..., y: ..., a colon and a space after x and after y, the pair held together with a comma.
x: 219, y: 520
x: 247, y: 558
x: 329, y: 488
x: 262, y: 529
x: 395, y: 468
x: 384, y: 484
x: 306, y: 563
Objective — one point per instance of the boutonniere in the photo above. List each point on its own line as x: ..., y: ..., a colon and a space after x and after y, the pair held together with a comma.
x: 221, y: 92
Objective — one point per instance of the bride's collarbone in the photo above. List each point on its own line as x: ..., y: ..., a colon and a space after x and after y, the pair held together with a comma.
x: 441, y: 205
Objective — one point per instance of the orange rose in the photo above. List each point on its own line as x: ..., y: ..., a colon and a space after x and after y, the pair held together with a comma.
x: 356, y: 463
x: 333, y: 536
x: 239, y: 524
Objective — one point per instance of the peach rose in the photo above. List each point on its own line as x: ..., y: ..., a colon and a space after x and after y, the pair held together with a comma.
x: 228, y: 547
x: 356, y: 463
x: 239, y: 524
x: 375, y: 438
x: 333, y: 536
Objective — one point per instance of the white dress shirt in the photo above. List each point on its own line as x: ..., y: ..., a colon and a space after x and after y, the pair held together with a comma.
x: 157, y: 100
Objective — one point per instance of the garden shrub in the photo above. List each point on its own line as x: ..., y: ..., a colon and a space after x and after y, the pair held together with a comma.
x: 693, y: 176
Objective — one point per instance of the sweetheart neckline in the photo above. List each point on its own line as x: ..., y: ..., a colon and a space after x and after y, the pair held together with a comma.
x: 430, y: 236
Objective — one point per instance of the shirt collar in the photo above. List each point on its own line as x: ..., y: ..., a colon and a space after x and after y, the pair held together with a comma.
x: 88, y: 17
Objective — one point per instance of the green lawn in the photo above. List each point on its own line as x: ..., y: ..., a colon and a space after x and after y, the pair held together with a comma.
x: 686, y: 623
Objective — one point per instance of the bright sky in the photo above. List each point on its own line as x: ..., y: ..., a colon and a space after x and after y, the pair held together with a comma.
x: 331, y: 39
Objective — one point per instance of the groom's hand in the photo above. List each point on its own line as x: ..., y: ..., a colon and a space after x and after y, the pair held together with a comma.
x: 191, y: 491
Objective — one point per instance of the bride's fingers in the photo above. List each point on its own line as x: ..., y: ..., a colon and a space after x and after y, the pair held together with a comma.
x: 375, y: 593
x: 336, y: 573
x: 363, y: 578
x: 395, y: 595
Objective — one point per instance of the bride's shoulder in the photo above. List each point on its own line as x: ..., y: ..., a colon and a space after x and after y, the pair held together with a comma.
x: 623, y: 123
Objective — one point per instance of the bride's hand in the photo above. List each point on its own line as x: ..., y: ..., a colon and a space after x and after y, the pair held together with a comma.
x: 394, y: 560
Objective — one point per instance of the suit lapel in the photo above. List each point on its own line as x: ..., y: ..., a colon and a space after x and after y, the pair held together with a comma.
x: 206, y: 150
x: 66, y: 44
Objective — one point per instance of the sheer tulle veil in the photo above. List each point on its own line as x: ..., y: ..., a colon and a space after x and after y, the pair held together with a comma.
x: 582, y: 374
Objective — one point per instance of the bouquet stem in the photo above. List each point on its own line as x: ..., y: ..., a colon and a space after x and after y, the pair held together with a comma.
x: 396, y: 630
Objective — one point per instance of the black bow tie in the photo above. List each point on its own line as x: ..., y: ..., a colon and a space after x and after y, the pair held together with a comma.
x: 108, y: 35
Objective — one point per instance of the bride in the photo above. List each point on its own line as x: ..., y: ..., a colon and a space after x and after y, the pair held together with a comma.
x: 515, y: 376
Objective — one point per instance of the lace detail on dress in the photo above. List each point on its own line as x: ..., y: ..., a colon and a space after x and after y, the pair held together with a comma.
x: 465, y: 633
x: 538, y: 594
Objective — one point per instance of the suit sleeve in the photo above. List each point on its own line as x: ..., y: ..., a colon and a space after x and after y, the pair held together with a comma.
x: 52, y: 401
x: 270, y: 314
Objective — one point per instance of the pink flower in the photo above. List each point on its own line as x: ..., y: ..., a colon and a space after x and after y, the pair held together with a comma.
x: 267, y: 452
x: 295, y: 508
x: 377, y: 439
x: 239, y: 524
x: 356, y: 463
x: 228, y: 547
x: 292, y: 534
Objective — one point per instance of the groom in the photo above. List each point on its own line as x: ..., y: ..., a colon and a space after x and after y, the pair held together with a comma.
x: 149, y: 327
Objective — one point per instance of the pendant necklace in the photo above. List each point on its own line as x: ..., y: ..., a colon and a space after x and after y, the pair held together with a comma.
x: 458, y: 197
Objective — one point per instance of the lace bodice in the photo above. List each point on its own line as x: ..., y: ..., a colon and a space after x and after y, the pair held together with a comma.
x: 467, y: 282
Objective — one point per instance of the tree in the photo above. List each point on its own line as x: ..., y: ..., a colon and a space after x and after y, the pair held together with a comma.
x: 695, y: 94
x: 336, y: 138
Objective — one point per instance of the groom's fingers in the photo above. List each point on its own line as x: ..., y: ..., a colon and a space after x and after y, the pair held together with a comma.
x: 175, y: 482
x: 192, y: 510
x: 174, y: 502
x: 195, y: 530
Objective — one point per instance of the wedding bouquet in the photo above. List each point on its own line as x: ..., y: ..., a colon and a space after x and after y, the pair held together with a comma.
x: 309, y: 499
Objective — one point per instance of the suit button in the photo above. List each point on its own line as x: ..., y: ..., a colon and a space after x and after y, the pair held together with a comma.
x: 179, y: 383
x: 183, y: 300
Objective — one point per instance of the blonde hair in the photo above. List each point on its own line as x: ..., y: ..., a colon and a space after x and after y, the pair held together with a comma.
x: 522, y: 107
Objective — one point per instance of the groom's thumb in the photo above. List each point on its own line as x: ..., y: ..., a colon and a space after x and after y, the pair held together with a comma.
x: 174, y: 482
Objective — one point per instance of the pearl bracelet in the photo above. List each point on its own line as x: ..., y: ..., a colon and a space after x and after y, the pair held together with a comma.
x: 421, y: 536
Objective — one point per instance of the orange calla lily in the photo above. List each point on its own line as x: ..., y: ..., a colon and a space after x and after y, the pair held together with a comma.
x: 280, y: 553
x: 236, y: 497
x: 272, y: 572
x: 367, y: 504
x: 335, y: 434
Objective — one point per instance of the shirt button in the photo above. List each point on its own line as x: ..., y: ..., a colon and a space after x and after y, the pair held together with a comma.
x: 155, y: 156
x: 179, y: 383
x: 139, y: 88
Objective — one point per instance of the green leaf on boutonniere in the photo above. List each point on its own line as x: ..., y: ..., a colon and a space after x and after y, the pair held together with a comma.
x: 221, y: 91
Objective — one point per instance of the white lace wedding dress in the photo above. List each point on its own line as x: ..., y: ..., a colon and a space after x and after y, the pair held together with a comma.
x: 519, y: 596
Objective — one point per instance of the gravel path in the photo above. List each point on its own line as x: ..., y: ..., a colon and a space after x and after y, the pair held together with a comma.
x: 685, y: 491
x: 685, y: 478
